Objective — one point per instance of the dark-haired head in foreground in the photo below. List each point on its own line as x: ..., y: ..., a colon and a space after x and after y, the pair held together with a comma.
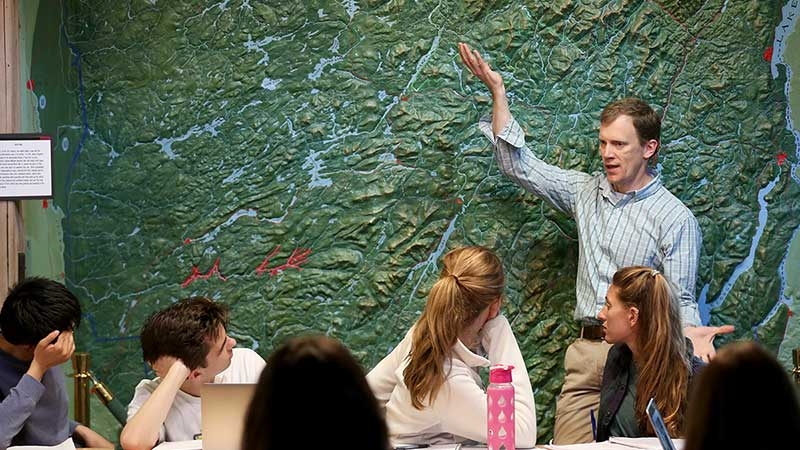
x: 743, y: 399
x: 313, y: 394
x: 36, y: 307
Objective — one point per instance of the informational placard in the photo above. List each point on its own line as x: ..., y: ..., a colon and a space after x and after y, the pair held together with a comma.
x: 26, y: 166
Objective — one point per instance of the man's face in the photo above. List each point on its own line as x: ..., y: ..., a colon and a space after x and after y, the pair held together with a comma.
x: 220, y: 354
x: 618, y: 319
x: 624, y: 157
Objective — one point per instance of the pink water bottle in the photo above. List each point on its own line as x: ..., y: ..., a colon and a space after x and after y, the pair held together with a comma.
x: 500, y: 409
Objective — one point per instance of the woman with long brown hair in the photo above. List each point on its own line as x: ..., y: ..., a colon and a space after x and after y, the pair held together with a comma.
x: 429, y: 385
x: 650, y: 357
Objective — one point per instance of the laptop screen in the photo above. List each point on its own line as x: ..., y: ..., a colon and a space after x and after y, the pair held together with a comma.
x: 223, y: 408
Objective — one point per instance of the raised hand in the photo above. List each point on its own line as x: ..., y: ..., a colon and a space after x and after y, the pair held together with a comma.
x: 166, y: 363
x: 481, y: 69
x: 703, y: 339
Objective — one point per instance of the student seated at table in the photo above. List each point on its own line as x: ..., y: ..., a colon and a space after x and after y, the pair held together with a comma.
x: 36, y: 324
x: 187, y: 344
x: 313, y: 394
x: 743, y: 399
x: 650, y: 357
x: 429, y: 384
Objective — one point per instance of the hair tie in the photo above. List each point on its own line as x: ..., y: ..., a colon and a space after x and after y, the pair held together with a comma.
x: 654, y: 272
x: 454, y: 277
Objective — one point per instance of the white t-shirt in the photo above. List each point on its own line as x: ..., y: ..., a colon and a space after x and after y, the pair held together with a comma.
x: 183, y: 419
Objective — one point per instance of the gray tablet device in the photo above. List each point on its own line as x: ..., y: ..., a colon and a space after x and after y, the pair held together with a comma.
x: 659, y: 426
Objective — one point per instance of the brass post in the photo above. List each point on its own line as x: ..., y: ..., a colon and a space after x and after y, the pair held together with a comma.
x: 80, y: 364
x: 796, y: 369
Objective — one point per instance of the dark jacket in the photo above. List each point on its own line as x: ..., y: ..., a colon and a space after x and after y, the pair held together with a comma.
x: 615, y: 382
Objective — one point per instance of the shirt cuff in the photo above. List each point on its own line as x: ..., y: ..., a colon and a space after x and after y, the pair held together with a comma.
x: 690, y: 317
x: 511, y: 133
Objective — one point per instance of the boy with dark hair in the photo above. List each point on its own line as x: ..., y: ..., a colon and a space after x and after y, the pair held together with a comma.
x: 36, y: 324
x: 187, y: 345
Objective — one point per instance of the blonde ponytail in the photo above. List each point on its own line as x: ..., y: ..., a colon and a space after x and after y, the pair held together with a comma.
x: 471, y: 279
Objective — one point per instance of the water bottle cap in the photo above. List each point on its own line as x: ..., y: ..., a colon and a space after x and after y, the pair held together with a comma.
x: 500, y: 373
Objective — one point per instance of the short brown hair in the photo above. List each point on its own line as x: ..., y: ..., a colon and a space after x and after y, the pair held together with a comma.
x: 645, y: 120
x: 184, y: 330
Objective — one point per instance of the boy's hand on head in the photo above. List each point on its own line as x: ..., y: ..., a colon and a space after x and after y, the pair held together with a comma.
x: 166, y: 363
x: 48, y: 354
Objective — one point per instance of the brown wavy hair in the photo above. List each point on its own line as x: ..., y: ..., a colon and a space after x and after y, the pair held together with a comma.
x: 471, y: 280
x: 661, y: 360
x: 184, y: 330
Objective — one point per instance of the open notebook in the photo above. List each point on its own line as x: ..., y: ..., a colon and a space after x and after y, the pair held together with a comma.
x: 662, y: 442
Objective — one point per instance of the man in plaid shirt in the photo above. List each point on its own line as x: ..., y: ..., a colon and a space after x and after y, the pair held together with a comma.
x: 625, y: 217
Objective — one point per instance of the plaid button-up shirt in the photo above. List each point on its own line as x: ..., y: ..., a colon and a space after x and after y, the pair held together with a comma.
x: 648, y: 227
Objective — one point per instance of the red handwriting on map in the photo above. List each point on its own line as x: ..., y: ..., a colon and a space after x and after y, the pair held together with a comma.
x: 30, y: 84
x: 263, y: 266
x: 299, y: 256
x: 214, y: 270
x: 768, y: 54
x: 781, y: 158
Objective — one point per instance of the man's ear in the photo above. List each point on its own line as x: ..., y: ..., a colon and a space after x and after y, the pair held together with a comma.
x: 650, y: 148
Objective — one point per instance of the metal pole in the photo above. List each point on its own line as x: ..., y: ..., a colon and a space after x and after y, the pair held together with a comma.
x: 80, y: 364
x: 796, y: 369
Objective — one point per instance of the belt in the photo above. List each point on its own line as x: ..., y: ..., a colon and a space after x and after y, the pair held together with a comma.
x: 592, y: 332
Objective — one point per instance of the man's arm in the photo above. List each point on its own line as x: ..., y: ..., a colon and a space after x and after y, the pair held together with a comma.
x: 22, y: 399
x: 143, y: 428
x: 501, y: 114
x: 514, y: 158
x: 680, y: 267
x: 680, y: 261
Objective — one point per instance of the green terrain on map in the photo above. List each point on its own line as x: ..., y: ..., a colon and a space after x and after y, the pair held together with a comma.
x: 221, y: 133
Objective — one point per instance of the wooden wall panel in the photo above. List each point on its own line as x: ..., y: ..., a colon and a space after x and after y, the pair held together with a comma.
x: 11, y: 225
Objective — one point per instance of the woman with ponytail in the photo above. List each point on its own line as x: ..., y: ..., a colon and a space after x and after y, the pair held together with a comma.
x: 650, y: 357
x: 429, y: 385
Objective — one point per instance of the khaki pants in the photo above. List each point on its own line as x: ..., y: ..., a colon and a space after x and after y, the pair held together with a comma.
x: 584, y: 363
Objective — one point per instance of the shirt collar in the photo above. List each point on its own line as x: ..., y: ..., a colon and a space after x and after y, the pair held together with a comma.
x: 614, y: 197
x: 468, y: 357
